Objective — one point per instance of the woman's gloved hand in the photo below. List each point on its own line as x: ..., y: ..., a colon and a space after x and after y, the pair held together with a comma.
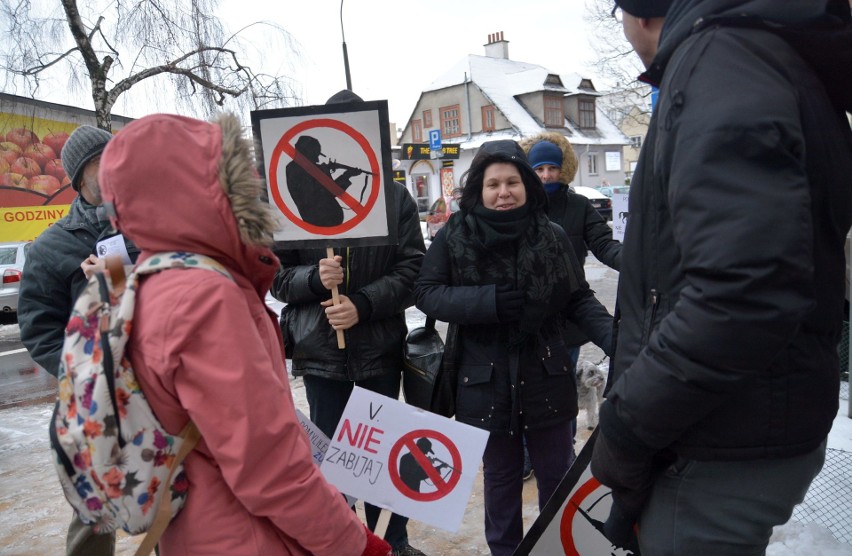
x: 376, y: 546
x: 510, y: 303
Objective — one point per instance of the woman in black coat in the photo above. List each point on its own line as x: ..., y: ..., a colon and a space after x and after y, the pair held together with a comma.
x: 506, y: 279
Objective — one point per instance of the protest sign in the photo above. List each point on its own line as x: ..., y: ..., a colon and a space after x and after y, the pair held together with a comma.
x: 405, y: 459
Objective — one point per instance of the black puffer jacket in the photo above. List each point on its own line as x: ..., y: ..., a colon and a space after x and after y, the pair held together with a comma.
x: 379, y: 280
x: 585, y: 227
x: 53, y: 279
x: 732, y: 279
x: 504, y: 387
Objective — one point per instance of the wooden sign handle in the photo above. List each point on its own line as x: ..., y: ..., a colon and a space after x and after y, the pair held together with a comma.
x: 382, y: 523
x: 335, y: 296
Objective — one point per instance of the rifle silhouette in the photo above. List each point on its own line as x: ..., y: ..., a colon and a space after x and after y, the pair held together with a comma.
x: 333, y: 165
x: 599, y: 526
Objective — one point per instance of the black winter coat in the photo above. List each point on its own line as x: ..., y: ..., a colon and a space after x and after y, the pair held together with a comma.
x: 52, y: 280
x: 732, y: 282
x: 505, y: 388
x: 585, y: 228
x: 378, y: 279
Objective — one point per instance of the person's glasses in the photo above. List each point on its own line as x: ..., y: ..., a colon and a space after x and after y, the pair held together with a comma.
x: 616, y: 13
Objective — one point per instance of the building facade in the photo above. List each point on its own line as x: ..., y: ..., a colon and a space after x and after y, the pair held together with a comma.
x: 484, y: 98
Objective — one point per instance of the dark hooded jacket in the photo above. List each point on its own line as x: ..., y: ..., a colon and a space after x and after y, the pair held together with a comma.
x: 53, y: 280
x: 379, y: 281
x: 512, y: 376
x: 586, y: 228
x: 732, y: 273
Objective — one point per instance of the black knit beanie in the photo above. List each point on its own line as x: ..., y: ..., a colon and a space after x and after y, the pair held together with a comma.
x: 343, y: 96
x: 645, y: 8
x: 84, y: 144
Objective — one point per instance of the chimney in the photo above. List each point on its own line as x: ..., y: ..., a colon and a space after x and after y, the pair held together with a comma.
x: 497, y: 46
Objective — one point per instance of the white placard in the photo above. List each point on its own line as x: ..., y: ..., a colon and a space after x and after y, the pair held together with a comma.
x: 407, y: 460
x: 572, y: 521
x: 325, y: 169
x: 319, y: 444
x: 619, y: 215
x: 113, y: 247
x: 613, y: 161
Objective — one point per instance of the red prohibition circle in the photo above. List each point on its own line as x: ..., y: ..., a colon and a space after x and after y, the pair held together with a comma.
x: 285, y: 147
x: 566, y: 525
x: 443, y: 488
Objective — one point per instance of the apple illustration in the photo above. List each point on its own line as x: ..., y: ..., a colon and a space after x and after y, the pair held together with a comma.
x: 22, y: 137
x: 10, y: 151
x: 4, y: 166
x: 41, y: 153
x: 27, y: 167
x: 11, y: 179
x: 66, y: 181
x: 54, y: 168
x: 45, y: 184
x: 55, y: 140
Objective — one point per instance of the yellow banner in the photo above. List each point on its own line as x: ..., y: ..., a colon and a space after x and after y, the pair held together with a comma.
x: 26, y: 223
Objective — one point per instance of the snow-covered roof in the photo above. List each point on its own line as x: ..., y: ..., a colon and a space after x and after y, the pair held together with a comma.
x: 502, y: 81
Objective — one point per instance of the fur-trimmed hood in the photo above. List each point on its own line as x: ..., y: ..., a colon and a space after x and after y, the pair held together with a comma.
x: 180, y: 184
x: 569, y: 159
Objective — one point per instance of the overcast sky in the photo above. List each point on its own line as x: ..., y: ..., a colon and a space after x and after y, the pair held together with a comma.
x: 396, y: 48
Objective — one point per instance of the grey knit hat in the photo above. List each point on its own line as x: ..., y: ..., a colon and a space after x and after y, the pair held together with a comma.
x: 85, y: 143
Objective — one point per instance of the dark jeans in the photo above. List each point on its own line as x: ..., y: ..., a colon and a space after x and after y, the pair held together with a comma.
x: 327, y: 399
x: 724, y: 507
x: 551, y: 453
x: 82, y: 541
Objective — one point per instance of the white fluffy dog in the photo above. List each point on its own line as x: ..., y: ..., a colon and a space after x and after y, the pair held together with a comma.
x: 591, y: 380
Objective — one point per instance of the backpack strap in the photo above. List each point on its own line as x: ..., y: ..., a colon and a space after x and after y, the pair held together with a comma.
x: 190, y: 433
x: 180, y: 259
x: 191, y: 436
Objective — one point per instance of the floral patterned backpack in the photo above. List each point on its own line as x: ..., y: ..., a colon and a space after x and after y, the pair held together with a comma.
x: 115, y: 461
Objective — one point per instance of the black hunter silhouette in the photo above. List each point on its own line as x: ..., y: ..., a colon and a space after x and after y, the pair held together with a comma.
x: 317, y: 201
x: 410, y: 471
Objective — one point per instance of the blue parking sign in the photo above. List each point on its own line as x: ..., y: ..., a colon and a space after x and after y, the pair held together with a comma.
x: 434, y: 139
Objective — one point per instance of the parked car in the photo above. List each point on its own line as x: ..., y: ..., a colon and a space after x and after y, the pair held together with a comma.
x: 610, y: 190
x: 601, y: 202
x: 12, y: 257
x: 438, y: 215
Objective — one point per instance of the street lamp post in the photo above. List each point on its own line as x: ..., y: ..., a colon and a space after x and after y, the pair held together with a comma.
x: 345, y: 53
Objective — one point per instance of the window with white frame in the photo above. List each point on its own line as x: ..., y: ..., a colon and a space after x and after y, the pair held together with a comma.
x: 488, y: 118
x: 593, y: 164
x: 450, y: 121
x: 416, y: 131
x: 636, y: 141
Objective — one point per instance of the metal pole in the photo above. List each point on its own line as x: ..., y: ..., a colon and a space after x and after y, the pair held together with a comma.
x: 345, y: 53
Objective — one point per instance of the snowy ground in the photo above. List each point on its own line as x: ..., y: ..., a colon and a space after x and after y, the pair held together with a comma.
x: 34, y: 515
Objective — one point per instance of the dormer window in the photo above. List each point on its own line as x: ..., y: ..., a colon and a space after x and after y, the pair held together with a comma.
x: 553, y: 79
x: 586, y: 109
x: 554, y: 116
x: 586, y: 85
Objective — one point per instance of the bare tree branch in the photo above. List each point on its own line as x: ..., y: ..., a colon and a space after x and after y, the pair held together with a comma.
x: 617, y: 63
x: 178, y: 39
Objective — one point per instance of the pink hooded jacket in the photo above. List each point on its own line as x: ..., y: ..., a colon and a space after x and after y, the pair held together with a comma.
x: 208, y: 349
